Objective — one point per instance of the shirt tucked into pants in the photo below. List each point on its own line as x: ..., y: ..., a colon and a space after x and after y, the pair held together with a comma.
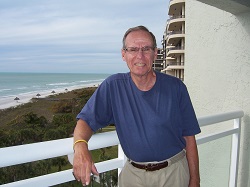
x: 174, y: 175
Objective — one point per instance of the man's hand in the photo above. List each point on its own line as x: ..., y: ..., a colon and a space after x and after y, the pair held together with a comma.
x: 83, y: 165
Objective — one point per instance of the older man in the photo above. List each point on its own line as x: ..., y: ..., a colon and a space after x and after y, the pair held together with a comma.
x: 154, y: 118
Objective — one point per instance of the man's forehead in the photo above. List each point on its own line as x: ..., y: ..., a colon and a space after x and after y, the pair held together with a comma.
x: 139, y: 37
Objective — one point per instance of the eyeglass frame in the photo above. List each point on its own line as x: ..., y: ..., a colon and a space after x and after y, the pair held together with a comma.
x: 144, y: 50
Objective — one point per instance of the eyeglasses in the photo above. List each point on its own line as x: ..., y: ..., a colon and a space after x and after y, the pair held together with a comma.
x: 135, y: 50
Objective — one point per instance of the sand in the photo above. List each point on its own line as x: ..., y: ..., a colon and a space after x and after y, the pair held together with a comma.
x: 7, y: 102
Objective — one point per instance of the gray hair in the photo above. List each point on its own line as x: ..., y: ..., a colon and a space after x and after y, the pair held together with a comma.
x: 138, y: 28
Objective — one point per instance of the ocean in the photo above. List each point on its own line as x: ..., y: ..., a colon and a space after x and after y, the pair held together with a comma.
x: 27, y: 85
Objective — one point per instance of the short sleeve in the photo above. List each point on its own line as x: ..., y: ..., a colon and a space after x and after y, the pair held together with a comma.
x: 188, y: 117
x: 98, y: 111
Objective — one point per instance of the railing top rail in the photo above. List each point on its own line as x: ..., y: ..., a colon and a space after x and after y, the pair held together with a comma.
x: 175, y: 32
x: 175, y: 17
x: 217, y: 118
x: 55, y: 148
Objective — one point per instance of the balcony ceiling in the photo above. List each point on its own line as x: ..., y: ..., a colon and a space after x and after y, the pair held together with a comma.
x: 175, y: 7
x: 175, y: 53
x: 175, y: 24
x: 232, y: 6
x: 175, y: 39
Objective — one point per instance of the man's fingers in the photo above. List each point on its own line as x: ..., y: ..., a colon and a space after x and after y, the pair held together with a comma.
x: 94, y: 170
x: 76, y: 173
x: 85, y: 175
x: 82, y: 172
x: 75, y: 177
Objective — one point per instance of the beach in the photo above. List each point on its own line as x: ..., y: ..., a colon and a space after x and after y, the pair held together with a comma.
x: 8, y: 102
x: 26, y: 86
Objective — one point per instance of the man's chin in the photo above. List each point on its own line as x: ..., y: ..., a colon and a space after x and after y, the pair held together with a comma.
x: 141, y: 72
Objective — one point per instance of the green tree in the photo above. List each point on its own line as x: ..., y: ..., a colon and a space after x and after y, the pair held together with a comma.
x: 22, y: 136
x: 59, y: 162
x: 62, y: 119
x: 34, y: 121
x: 4, y: 138
x: 53, y: 134
x: 31, y: 118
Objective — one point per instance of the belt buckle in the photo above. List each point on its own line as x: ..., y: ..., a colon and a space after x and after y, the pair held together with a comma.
x: 148, y: 166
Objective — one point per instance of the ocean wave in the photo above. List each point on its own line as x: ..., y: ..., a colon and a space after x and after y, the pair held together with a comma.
x: 74, y: 82
x: 22, y: 88
x: 58, y: 84
x: 96, y: 80
x: 4, y: 90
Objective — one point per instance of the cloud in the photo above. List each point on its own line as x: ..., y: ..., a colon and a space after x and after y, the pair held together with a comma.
x: 40, y: 33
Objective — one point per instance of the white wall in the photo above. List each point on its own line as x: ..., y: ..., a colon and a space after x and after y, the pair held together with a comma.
x: 217, y: 74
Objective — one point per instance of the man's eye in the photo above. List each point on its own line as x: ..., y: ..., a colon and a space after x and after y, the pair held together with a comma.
x: 146, y: 49
x: 133, y: 49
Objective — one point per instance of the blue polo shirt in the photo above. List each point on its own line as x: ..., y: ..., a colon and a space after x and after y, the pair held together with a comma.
x: 150, y: 124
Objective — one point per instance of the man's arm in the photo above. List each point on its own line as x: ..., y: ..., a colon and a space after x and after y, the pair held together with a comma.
x: 193, y: 161
x: 83, y: 164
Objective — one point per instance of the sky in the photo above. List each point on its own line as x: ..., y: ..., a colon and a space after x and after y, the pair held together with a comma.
x: 73, y: 36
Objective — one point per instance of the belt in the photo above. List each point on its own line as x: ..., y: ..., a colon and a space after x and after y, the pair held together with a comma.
x: 157, y: 166
x: 150, y: 167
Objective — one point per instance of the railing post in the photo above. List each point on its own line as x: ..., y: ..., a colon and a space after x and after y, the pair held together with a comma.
x: 121, y: 156
x: 235, y: 154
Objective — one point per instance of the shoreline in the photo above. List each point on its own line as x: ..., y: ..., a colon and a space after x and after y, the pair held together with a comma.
x: 8, y: 102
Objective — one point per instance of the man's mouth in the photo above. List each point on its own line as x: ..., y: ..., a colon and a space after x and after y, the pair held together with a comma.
x: 140, y: 64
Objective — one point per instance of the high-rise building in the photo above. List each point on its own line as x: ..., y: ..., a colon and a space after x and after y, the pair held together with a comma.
x: 158, y: 63
x: 174, y: 40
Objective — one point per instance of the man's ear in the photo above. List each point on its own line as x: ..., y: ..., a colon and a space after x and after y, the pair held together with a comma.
x: 123, y: 54
x: 155, y: 54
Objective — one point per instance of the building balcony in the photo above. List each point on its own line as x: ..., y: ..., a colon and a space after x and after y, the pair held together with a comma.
x: 176, y: 23
x: 169, y: 47
x: 40, y: 151
x: 175, y: 51
x: 170, y: 58
x: 158, y: 62
x: 175, y: 37
x: 174, y: 66
x: 175, y: 7
x: 157, y: 65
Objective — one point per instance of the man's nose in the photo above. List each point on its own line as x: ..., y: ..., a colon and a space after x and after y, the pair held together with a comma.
x: 140, y: 53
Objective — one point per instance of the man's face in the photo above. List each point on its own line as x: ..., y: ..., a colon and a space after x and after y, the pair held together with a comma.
x: 139, y: 62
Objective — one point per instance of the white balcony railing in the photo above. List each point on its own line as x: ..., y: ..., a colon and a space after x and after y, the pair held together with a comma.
x: 44, y: 150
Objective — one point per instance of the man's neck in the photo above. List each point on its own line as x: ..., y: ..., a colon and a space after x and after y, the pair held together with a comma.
x: 144, y: 82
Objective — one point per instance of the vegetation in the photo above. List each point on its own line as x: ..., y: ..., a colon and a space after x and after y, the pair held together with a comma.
x: 46, y: 119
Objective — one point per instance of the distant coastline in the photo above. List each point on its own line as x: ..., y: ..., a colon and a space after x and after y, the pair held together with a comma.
x: 25, y: 86
x: 26, y: 98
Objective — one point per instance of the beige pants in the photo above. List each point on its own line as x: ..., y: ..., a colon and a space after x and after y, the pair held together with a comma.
x: 175, y: 175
